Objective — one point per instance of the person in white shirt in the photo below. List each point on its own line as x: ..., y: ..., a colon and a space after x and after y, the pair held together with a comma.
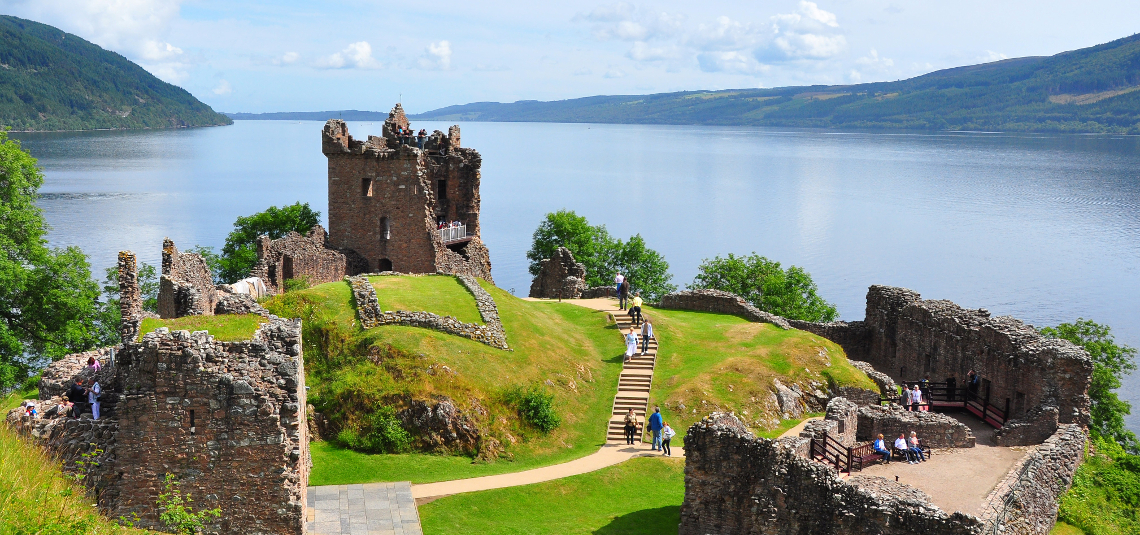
x: 646, y: 334
x: 618, y: 279
x: 666, y: 434
x: 901, y: 445
x: 93, y: 393
x: 630, y: 344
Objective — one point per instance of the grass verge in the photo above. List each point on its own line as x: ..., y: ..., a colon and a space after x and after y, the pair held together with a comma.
x: 226, y: 328
x: 35, y: 498
x: 440, y: 294
x: 709, y: 362
x: 1105, y: 496
x: 639, y: 496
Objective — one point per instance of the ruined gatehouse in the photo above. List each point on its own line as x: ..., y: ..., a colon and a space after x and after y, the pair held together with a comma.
x: 387, y: 197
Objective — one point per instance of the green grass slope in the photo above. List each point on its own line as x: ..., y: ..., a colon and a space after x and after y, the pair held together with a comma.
x: 227, y: 328
x: 639, y: 496
x: 1088, y: 90
x: 440, y: 294
x: 52, y: 80
x: 717, y: 362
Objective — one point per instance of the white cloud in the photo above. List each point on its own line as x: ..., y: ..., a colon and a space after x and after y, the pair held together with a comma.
x: 223, y: 88
x: 641, y: 51
x: 728, y: 34
x: 809, y: 33
x: 437, y: 56
x: 614, y: 73
x: 623, y: 22
x: 732, y: 62
x: 992, y: 56
x: 287, y: 58
x: 357, y: 55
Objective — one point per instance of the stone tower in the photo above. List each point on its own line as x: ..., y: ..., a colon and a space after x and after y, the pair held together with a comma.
x: 387, y: 197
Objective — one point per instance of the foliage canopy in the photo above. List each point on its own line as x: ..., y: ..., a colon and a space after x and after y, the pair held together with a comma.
x: 790, y: 293
x: 240, y: 251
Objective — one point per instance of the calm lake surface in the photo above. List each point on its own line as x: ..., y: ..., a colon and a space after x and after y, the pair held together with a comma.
x: 1045, y: 228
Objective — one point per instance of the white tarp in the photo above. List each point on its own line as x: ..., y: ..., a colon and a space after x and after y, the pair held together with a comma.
x: 252, y: 286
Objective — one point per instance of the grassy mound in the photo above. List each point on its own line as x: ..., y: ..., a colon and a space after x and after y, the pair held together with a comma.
x: 35, y: 498
x: 1105, y: 496
x: 355, y: 374
x: 710, y: 362
x: 639, y: 496
x: 226, y: 328
x: 439, y: 294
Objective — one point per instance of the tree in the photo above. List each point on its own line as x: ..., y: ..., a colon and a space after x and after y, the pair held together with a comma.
x: 645, y: 269
x: 47, y: 298
x: 110, y: 315
x: 240, y: 251
x: 590, y: 245
x: 1111, y: 362
x: 789, y: 293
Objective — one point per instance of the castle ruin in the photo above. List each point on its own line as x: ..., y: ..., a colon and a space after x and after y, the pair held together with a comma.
x: 387, y: 197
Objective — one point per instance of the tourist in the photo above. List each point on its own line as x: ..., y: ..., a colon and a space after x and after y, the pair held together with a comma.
x: 93, y: 363
x: 655, y: 424
x: 93, y: 393
x: 666, y: 434
x: 623, y: 294
x: 915, y: 397
x: 880, y: 447
x: 75, y: 395
x: 972, y: 385
x: 421, y: 139
x: 635, y: 310
x: 630, y: 344
x: 902, y: 446
x: 916, y: 447
x: 630, y: 426
x: 646, y: 334
x: 618, y: 279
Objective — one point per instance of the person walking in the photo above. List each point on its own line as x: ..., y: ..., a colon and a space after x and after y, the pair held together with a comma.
x: 646, y: 334
x: 635, y: 310
x: 667, y: 433
x: 630, y: 344
x: 630, y: 427
x: 655, y: 425
x: 93, y: 393
x: 623, y: 294
x: 618, y: 279
x: 901, y: 445
x: 916, y: 447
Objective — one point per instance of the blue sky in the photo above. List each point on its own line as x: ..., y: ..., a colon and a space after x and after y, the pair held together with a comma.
x: 250, y: 56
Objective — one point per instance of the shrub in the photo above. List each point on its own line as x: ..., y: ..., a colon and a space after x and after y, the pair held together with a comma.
x: 380, y: 432
x: 292, y: 285
x: 176, y: 513
x: 535, y: 406
x: 1105, y: 497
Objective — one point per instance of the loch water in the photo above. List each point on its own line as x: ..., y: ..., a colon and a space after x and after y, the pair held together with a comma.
x: 1042, y: 227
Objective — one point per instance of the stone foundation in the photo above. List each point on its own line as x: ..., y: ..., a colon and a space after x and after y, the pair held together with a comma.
x: 936, y: 430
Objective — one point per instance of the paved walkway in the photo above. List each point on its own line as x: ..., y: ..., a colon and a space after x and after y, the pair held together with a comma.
x: 369, y: 509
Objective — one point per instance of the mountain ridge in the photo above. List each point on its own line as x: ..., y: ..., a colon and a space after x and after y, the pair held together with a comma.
x: 51, y: 80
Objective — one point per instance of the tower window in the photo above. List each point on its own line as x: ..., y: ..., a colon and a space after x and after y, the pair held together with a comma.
x: 441, y: 190
x: 366, y: 187
x: 385, y: 227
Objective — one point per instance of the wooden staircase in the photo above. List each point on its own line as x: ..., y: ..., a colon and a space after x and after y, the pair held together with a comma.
x: 634, y: 383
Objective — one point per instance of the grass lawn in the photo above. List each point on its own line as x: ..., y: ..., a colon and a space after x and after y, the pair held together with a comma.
x: 709, y: 361
x: 1065, y: 529
x: 573, y: 352
x: 227, y: 328
x: 639, y: 496
x: 35, y: 498
x: 441, y: 294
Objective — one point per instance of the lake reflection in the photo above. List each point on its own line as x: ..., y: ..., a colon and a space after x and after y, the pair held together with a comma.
x: 1041, y: 227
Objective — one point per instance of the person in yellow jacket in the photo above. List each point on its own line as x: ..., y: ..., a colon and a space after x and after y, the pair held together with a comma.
x: 635, y: 309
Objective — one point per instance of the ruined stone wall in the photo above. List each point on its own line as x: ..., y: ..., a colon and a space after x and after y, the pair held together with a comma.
x: 385, y: 200
x: 299, y: 256
x: 737, y: 484
x: 561, y: 276
x: 853, y: 337
x: 911, y: 337
x: 186, y: 287
x: 936, y: 430
x: 130, y: 296
x: 226, y: 418
x: 722, y: 302
x: 1027, y: 500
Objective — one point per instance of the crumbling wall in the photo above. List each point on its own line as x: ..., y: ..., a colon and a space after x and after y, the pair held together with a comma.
x: 186, y: 287
x: 561, y: 276
x: 722, y: 302
x: 1027, y: 500
x: 738, y: 484
x: 912, y: 337
x: 297, y: 256
x: 130, y: 296
x: 936, y: 430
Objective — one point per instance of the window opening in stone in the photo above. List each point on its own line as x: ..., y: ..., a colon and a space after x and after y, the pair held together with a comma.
x: 191, y: 421
x: 441, y: 190
x: 286, y: 268
x: 366, y: 187
x: 384, y: 265
x: 385, y: 227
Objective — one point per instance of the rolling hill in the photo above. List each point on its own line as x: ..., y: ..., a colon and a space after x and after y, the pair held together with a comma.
x: 1088, y: 90
x: 53, y: 80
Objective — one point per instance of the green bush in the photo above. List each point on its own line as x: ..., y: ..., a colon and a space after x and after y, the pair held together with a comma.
x: 380, y: 432
x: 292, y: 285
x: 1105, y: 496
x: 535, y: 406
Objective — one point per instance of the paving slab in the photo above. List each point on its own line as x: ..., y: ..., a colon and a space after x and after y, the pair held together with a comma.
x: 372, y: 508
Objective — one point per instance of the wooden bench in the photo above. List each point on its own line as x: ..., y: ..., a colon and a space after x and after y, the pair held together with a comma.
x: 864, y: 455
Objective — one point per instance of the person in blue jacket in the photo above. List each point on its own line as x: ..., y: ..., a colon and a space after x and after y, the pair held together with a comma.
x: 881, y: 448
x: 655, y: 425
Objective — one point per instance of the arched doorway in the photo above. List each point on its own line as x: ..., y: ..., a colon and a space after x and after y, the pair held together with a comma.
x: 384, y: 265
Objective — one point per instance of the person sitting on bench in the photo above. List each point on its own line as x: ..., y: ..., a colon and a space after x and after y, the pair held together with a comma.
x: 916, y: 447
x: 880, y: 447
x: 902, y: 447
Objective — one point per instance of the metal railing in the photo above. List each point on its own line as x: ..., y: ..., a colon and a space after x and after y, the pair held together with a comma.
x: 450, y: 234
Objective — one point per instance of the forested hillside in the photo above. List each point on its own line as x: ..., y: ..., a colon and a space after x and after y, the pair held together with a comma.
x: 52, y: 80
x: 1089, y: 90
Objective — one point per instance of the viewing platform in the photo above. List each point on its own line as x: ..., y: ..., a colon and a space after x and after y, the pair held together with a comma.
x: 451, y: 235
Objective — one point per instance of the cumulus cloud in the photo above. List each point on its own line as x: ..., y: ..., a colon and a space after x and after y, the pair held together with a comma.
x: 808, y: 33
x: 730, y: 61
x: 135, y: 28
x: 437, y: 56
x: 728, y: 34
x: 357, y: 55
x: 614, y: 73
x: 624, y: 22
x: 287, y: 58
x: 223, y: 88
x: 642, y: 51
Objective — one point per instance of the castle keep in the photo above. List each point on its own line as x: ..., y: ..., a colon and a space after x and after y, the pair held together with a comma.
x: 387, y: 197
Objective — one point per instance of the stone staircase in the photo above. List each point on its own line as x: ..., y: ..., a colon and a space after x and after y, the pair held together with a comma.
x: 634, y: 383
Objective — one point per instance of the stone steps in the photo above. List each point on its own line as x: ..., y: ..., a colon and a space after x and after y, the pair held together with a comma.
x: 634, y: 383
